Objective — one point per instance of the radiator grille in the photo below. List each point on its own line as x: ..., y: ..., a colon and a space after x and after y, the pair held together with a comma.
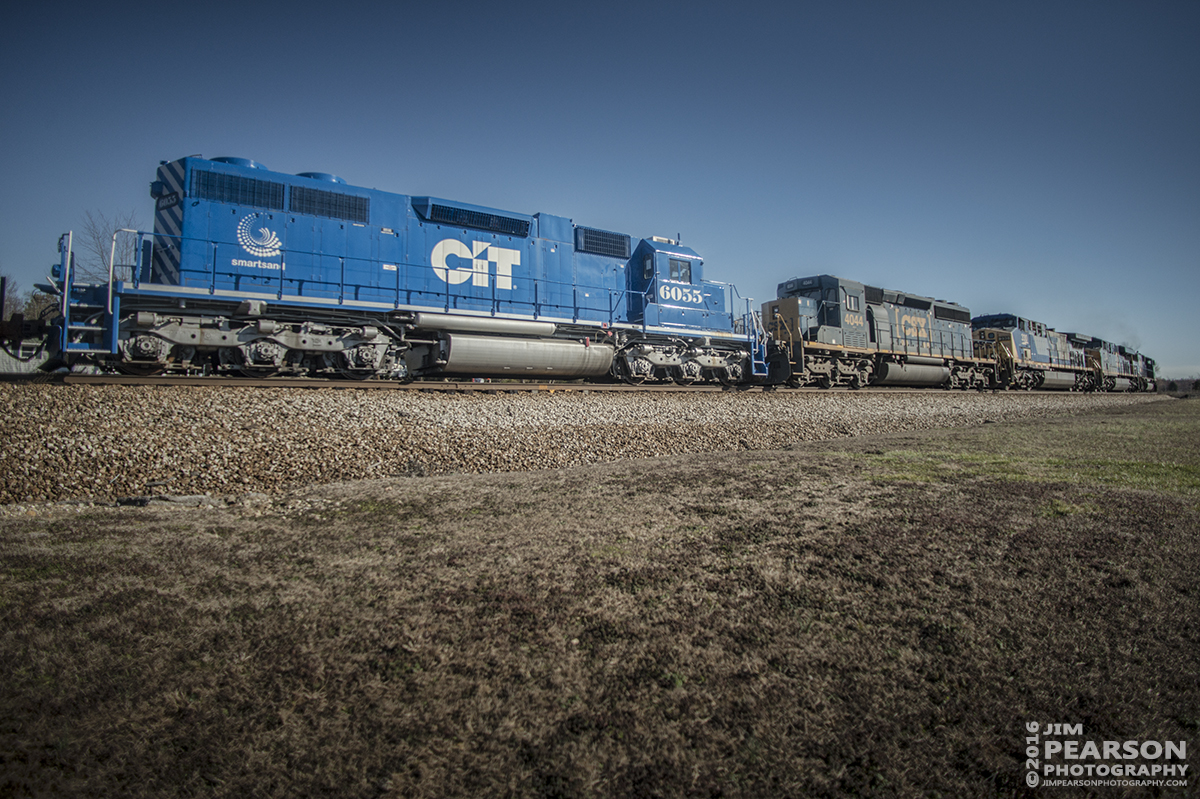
x: 332, y: 204
x: 952, y: 314
x: 237, y: 190
x: 462, y: 217
x: 602, y: 242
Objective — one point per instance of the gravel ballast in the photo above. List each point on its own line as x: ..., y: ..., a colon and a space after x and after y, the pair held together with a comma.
x: 102, y: 443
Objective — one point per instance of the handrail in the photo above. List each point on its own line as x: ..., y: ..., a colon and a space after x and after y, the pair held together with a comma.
x: 112, y: 259
x: 447, y: 298
x: 755, y: 322
x: 66, y: 273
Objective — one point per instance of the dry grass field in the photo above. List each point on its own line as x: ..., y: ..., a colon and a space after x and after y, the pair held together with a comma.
x: 865, y: 617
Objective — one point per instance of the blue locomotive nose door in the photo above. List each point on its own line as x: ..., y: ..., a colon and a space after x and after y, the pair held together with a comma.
x: 642, y: 285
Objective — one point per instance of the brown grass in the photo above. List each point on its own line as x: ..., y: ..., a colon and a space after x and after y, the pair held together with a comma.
x: 864, y: 617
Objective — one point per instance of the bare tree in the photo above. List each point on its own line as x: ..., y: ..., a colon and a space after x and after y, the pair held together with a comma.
x: 36, y: 305
x: 12, y: 296
x: 95, y: 246
x: 32, y: 304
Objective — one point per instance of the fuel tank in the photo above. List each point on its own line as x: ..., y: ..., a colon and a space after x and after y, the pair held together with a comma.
x: 1057, y: 381
x: 895, y: 374
x: 459, y: 355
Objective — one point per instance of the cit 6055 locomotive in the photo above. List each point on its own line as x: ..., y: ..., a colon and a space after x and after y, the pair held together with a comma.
x: 260, y: 273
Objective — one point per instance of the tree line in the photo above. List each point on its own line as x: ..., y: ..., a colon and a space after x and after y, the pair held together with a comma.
x: 93, y: 249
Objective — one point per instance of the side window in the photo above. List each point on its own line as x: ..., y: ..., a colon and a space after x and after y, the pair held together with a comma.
x: 851, y: 302
x: 681, y: 270
x: 648, y: 267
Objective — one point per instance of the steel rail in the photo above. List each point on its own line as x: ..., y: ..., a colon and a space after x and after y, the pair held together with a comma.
x: 430, y: 386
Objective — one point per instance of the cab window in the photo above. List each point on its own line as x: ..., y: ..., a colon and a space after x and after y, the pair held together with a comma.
x: 648, y: 267
x: 681, y: 270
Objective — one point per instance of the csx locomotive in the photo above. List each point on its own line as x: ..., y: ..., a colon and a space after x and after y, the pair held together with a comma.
x: 260, y: 273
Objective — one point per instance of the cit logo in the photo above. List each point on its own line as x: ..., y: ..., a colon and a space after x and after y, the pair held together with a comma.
x: 263, y: 244
x: 477, y: 258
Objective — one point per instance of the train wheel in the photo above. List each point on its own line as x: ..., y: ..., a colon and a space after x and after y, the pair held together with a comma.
x: 687, y: 373
x: 732, y: 374
x: 636, y: 371
x: 140, y: 369
x: 258, y: 372
x: 238, y: 359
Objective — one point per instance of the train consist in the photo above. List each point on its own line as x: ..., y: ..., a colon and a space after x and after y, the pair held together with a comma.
x: 260, y: 273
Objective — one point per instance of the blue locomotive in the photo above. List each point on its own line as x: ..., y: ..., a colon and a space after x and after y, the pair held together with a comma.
x: 261, y: 273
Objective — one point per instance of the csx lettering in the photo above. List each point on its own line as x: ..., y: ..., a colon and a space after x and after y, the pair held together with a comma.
x: 481, y: 254
x: 679, y: 294
x: 914, y: 326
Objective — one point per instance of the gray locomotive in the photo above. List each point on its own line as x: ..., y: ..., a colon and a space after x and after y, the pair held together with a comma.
x: 827, y: 331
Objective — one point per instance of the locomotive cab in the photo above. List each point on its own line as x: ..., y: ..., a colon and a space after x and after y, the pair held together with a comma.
x: 840, y: 309
x: 667, y: 286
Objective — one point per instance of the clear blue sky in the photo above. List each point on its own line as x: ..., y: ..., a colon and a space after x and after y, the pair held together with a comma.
x: 1035, y: 157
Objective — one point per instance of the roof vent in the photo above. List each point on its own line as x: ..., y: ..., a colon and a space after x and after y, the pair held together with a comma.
x: 462, y: 215
x: 320, y: 176
x: 246, y: 162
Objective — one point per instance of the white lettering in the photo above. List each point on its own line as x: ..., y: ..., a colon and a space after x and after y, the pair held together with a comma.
x: 481, y: 254
x: 505, y: 261
x: 447, y: 247
x: 480, y: 265
x: 255, y: 264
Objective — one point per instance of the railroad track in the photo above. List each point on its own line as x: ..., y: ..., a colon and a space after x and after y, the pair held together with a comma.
x: 376, y: 385
x: 549, y: 386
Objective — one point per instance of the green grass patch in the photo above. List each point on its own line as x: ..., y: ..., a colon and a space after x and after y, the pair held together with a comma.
x: 936, y: 467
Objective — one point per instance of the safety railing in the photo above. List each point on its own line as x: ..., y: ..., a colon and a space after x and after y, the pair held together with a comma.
x: 557, y: 299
